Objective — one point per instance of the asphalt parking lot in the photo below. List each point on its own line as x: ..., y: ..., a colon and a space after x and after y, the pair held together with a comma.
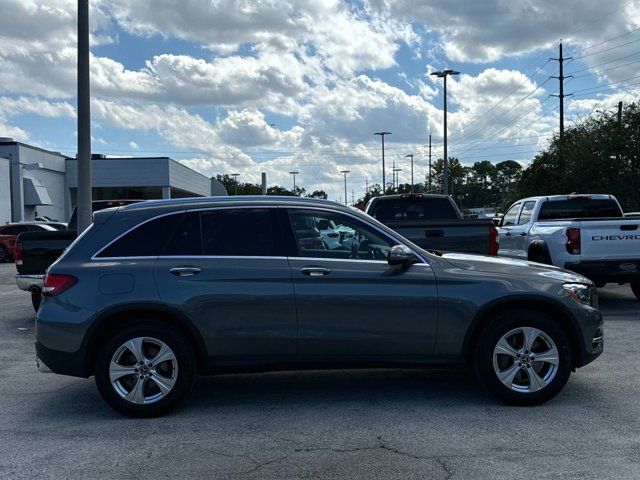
x: 368, y: 424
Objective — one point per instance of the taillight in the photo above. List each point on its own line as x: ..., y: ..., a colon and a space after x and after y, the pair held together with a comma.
x: 56, y: 284
x: 494, y: 246
x: 17, y: 251
x: 573, y: 241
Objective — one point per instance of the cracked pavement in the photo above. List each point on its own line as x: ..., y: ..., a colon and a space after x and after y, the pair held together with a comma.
x: 409, y: 424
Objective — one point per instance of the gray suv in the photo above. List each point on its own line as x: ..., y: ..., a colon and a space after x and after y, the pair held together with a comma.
x: 156, y: 292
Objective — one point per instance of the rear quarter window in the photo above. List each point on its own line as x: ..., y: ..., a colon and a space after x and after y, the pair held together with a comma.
x: 146, y: 240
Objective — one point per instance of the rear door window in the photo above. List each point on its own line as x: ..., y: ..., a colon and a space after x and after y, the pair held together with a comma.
x: 147, y: 240
x: 242, y: 232
x: 527, y: 211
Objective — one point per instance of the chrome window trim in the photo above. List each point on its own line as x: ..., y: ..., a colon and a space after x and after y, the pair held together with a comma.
x: 177, y: 212
x: 95, y: 257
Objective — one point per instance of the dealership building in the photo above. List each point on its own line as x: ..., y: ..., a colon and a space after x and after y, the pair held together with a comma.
x: 37, y: 182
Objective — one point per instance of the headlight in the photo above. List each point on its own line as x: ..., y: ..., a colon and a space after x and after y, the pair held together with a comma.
x: 580, y: 293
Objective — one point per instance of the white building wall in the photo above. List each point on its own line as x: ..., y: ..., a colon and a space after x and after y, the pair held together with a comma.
x: 5, y: 191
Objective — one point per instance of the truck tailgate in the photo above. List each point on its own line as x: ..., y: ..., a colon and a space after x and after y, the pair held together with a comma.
x: 609, y: 239
x: 468, y: 236
x: 41, y: 249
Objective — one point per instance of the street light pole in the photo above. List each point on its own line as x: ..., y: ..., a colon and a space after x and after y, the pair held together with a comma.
x: 384, y: 184
x: 411, y: 157
x: 344, y: 172
x: 235, y: 179
x: 444, y: 74
x: 294, y: 181
x: 397, y: 178
x: 84, y: 120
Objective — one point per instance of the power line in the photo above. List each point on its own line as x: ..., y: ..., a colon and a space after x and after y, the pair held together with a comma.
x: 605, y: 41
x: 607, y: 49
x: 605, y: 63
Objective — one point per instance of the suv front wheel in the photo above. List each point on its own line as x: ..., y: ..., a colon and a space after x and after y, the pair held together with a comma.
x: 145, y: 370
x: 523, y: 357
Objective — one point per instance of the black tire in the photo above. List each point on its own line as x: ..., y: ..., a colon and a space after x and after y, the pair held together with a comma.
x: 186, y: 369
x: 36, y: 299
x: 540, y: 256
x: 488, y: 339
x: 635, y: 288
x: 4, y: 254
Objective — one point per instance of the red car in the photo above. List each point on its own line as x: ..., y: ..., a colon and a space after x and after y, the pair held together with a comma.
x: 10, y: 231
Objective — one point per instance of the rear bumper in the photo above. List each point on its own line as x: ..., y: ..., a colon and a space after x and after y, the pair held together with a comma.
x: 62, y: 363
x: 29, y: 282
x: 607, y: 270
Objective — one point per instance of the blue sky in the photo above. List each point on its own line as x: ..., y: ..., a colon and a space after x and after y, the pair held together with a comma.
x: 276, y: 85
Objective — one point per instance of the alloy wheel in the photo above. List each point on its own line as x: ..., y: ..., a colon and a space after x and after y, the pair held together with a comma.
x: 143, y: 370
x: 525, y: 359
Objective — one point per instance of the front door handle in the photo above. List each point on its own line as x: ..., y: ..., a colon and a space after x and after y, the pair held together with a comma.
x: 185, y: 271
x: 523, y: 234
x: 507, y: 234
x: 315, y: 271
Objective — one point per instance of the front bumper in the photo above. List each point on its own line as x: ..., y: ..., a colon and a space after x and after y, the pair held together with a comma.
x: 29, y: 282
x: 607, y: 270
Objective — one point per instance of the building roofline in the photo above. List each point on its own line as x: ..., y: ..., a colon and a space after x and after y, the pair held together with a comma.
x: 33, y: 147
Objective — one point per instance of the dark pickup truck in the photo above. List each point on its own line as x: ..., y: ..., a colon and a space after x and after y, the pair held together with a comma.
x: 36, y: 251
x: 434, y: 222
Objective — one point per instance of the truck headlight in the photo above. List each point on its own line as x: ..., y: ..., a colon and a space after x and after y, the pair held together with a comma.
x: 580, y: 293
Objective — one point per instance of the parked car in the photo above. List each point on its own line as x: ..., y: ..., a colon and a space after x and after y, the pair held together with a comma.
x: 587, y: 234
x: 36, y: 250
x: 157, y: 292
x: 9, y: 233
x: 434, y: 222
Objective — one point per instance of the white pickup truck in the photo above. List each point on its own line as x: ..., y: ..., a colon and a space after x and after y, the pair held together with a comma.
x: 587, y: 234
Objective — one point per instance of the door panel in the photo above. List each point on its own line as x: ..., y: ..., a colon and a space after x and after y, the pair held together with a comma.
x: 362, y: 309
x: 351, y: 303
x: 243, y: 307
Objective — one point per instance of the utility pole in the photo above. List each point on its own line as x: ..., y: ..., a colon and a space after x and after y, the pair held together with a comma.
x: 411, y: 157
x: 444, y: 74
x: 384, y: 185
x: 84, y: 120
x: 353, y: 197
x: 561, y: 93
x: 346, y: 198
x: 294, y: 181
x: 619, y: 131
x: 235, y: 181
x: 264, y: 183
x: 429, y: 174
x: 397, y: 185
x: 366, y: 186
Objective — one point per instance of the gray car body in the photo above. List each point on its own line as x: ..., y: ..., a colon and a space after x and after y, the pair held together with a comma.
x: 261, y: 313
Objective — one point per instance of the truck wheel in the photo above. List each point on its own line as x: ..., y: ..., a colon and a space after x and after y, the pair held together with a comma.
x: 539, y: 256
x: 36, y: 299
x: 523, y: 358
x: 635, y: 287
x: 145, y: 370
x: 4, y: 254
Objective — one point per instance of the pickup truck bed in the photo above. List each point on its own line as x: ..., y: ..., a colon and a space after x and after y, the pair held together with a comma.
x: 434, y: 222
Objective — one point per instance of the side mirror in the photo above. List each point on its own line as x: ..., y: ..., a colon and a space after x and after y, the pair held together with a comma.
x: 400, y: 255
x: 497, y: 221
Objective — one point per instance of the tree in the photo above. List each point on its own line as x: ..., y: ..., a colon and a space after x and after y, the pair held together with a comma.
x: 318, y: 194
x: 597, y: 155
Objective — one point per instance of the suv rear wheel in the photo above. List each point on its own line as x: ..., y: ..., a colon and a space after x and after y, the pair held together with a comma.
x: 145, y: 370
x: 523, y: 357
x: 635, y: 287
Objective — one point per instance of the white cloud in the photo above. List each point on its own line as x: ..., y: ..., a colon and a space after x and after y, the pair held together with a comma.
x: 491, y: 29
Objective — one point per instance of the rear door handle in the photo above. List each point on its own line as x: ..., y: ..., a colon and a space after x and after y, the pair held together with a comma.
x: 315, y: 271
x: 185, y: 271
x: 507, y: 234
x: 523, y: 234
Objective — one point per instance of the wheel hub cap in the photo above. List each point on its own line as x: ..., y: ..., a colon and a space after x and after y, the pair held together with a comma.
x: 143, y: 370
x: 525, y: 359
